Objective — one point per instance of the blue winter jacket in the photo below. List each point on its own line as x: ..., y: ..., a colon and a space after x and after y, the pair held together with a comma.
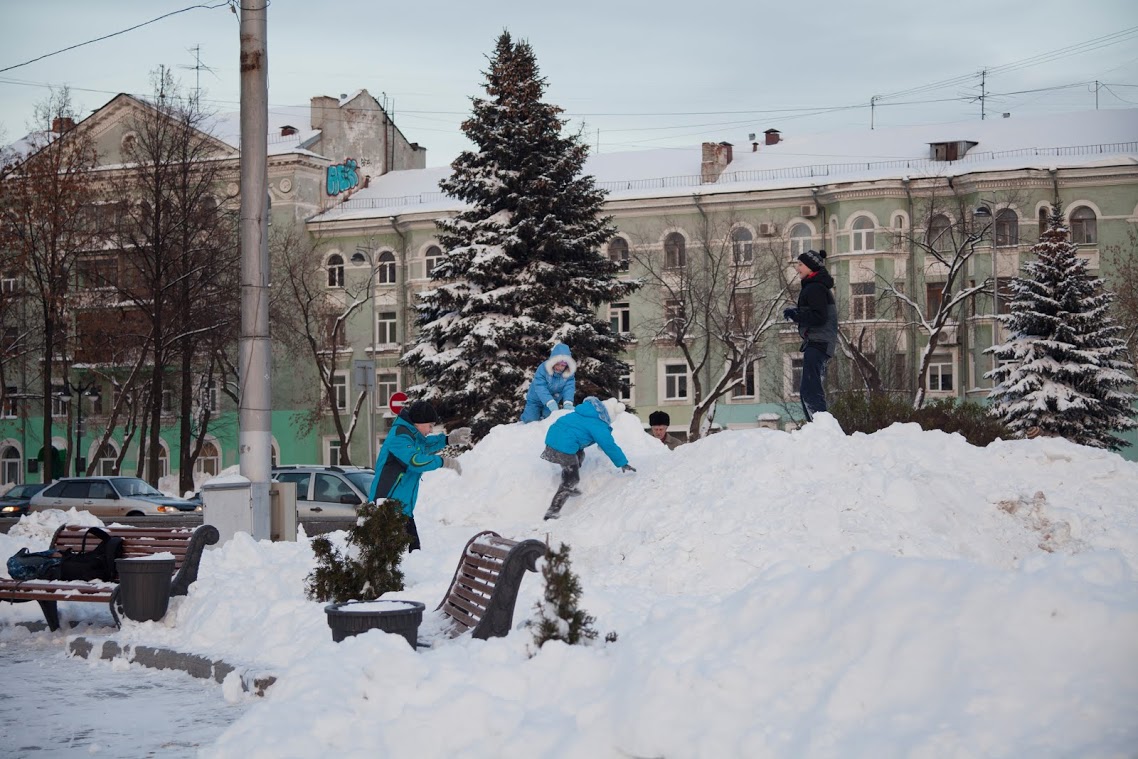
x: 589, y: 423
x: 404, y: 457
x: 547, y: 385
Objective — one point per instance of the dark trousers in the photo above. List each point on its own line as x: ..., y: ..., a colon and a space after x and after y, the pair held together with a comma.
x: 414, y: 533
x: 571, y: 473
x: 814, y: 361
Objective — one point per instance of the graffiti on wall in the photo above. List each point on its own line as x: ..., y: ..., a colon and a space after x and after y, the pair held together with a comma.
x: 342, y: 177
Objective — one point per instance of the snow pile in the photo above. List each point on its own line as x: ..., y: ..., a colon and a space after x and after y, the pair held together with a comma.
x: 775, y: 594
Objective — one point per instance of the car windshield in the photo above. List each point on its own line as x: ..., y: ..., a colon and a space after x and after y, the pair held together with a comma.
x: 23, y: 491
x: 128, y: 486
x: 361, y: 479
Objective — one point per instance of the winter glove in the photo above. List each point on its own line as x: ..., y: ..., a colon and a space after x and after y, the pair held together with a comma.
x: 460, y: 436
x: 567, y: 404
x: 449, y: 463
x: 790, y: 314
x: 628, y: 468
x: 551, y: 405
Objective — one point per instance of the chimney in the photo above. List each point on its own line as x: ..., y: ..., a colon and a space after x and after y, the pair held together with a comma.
x: 716, y: 156
x: 321, y: 106
x: 288, y: 130
x: 773, y: 136
x: 61, y: 124
x: 754, y: 147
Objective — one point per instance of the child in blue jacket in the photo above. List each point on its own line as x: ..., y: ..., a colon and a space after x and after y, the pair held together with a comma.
x: 565, y: 444
x: 553, y: 383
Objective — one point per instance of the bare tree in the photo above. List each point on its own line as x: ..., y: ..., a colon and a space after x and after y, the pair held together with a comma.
x: 1123, y: 275
x: 311, y: 306
x: 178, y: 253
x: 46, y: 224
x: 717, y: 296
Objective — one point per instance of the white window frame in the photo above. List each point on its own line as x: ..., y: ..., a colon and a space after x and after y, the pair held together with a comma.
x: 340, y: 390
x: 622, y: 258
x: 385, y: 268
x: 212, y: 396
x: 680, y: 258
x: 620, y: 317
x: 792, y: 375
x: 799, y: 244
x: 203, y: 464
x: 739, y: 392
x: 742, y: 251
x: 862, y: 239
x: 105, y: 465
x: 863, y: 305
x: 389, y: 334
x: 7, y: 283
x: 937, y: 371
x: 671, y: 382
x: 331, y: 451
x: 10, y: 466
x: 1087, y: 228
x: 675, y: 317
x: 384, y: 389
x: 431, y: 261
x: 627, y: 398
x: 334, y: 267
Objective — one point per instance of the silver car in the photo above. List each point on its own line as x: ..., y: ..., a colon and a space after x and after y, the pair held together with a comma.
x: 109, y: 497
x: 330, y: 491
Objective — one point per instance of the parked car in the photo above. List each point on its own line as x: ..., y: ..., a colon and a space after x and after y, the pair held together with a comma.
x: 14, y: 503
x: 109, y: 497
x: 327, y: 490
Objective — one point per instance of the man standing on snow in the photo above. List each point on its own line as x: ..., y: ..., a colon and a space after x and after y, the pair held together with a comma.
x: 565, y: 444
x: 817, y: 320
x: 408, y: 451
x: 553, y: 383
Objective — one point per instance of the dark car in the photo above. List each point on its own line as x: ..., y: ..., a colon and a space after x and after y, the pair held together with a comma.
x: 109, y: 497
x: 14, y: 503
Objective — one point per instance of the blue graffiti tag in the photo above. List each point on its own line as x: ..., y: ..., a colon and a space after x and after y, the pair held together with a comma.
x: 342, y: 177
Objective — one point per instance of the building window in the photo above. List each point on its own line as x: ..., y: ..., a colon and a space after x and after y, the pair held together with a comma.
x: 386, y: 385
x: 99, y: 271
x: 334, y: 336
x: 1044, y: 214
x: 10, y: 466
x: 385, y: 268
x: 674, y: 317
x: 940, y: 233
x: 10, y: 408
x: 799, y: 240
x: 7, y: 283
x: 940, y: 373
x: 211, y: 397
x: 209, y: 460
x: 742, y: 313
x: 59, y: 401
x: 742, y: 245
x: 335, y: 268
x: 433, y: 255
x: 1084, y: 227
x: 792, y: 376
x: 934, y: 295
x: 675, y: 251
x: 861, y: 238
x: 332, y: 452
x: 340, y: 390
x: 1005, y: 294
x: 863, y: 300
x: 385, y: 328
x: 627, y: 383
x: 105, y: 460
x: 675, y: 382
x: 1007, y: 229
x: 618, y: 252
x: 620, y: 318
x: 748, y: 387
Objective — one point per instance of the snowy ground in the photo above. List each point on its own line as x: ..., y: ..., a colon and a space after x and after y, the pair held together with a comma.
x: 776, y: 594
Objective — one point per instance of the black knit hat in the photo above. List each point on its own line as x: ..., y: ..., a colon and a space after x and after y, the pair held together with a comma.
x: 657, y: 418
x: 814, y: 259
x: 420, y: 412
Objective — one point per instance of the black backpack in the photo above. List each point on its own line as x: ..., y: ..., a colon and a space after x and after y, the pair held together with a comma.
x: 95, y: 564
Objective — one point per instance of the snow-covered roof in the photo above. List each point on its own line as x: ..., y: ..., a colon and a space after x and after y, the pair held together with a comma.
x: 1087, y: 138
x: 227, y: 128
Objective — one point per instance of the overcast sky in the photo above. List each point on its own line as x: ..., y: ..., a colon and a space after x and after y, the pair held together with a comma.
x: 638, y: 75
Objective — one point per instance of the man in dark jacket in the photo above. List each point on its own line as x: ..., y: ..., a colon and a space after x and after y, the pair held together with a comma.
x: 408, y: 451
x: 817, y: 320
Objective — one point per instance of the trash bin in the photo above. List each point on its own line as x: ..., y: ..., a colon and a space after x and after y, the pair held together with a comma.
x: 355, y: 617
x: 144, y: 587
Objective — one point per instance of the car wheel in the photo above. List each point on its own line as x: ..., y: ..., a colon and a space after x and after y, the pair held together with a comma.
x: 135, y: 513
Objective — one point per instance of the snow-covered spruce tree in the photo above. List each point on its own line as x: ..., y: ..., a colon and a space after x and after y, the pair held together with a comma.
x: 1065, y: 366
x: 558, y: 616
x: 522, y: 268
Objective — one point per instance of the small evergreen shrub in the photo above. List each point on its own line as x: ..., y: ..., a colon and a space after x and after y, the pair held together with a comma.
x: 558, y: 616
x: 869, y: 412
x: 370, y: 566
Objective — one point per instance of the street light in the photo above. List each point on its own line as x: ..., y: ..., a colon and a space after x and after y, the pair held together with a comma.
x: 91, y: 390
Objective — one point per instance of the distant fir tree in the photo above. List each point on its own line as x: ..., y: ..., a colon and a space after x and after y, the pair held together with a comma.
x: 1066, y: 366
x: 522, y: 268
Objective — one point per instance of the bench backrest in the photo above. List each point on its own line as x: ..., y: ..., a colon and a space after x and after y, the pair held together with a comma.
x: 486, y: 582
x: 137, y: 541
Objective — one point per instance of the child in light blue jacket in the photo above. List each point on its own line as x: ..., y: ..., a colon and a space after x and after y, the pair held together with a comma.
x: 565, y: 444
x: 554, y: 383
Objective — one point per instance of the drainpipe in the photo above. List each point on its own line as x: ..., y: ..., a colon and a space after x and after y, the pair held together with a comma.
x: 401, y: 291
x: 1054, y: 172
x: 910, y: 275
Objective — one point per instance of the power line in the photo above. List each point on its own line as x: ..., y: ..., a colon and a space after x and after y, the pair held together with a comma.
x: 112, y: 34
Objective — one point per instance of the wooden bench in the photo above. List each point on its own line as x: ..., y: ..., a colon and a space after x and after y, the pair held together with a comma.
x: 184, y: 543
x: 485, y: 586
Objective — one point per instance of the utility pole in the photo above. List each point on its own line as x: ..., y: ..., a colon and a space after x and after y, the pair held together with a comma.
x: 983, y: 90
x: 254, y: 356
x: 872, y: 110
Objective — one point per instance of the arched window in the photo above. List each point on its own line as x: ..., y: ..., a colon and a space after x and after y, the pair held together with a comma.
x: 1007, y: 228
x: 618, y: 252
x: 799, y: 240
x: 209, y: 460
x: 861, y: 238
x: 1084, y: 226
x: 940, y: 233
x: 742, y: 245
x: 10, y: 466
x: 105, y: 460
x: 335, y: 270
x: 1044, y: 214
x: 385, y: 268
x: 358, y: 258
x: 433, y: 255
x: 675, y: 253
